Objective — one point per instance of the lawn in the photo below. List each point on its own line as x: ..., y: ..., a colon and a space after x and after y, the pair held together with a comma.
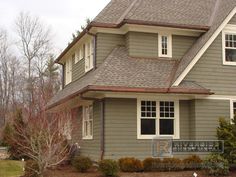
x: 11, y: 168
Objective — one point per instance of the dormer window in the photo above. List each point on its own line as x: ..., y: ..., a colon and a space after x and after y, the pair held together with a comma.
x: 89, y: 55
x: 165, y: 45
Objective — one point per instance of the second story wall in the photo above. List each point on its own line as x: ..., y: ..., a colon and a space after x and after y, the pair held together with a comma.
x: 146, y: 45
x: 105, y: 44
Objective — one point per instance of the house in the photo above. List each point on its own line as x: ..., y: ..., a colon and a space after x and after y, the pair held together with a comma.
x: 149, y: 68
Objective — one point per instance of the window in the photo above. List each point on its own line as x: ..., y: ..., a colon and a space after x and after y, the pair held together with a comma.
x: 89, y: 56
x: 68, y: 71
x: 157, y: 118
x: 88, y: 122
x: 229, y: 45
x: 232, y: 109
x: 165, y: 45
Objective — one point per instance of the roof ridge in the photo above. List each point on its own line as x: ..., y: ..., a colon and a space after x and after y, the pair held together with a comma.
x: 216, y: 7
x: 122, y: 17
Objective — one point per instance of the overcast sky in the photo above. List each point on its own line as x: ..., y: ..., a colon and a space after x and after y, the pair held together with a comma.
x: 63, y: 16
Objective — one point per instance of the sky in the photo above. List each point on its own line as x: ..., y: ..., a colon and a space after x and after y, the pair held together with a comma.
x: 64, y: 17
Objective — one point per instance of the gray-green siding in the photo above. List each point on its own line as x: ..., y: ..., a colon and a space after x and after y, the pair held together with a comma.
x: 105, y: 44
x: 90, y: 148
x: 210, y: 72
x: 78, y: 69
x: 146, y: 45
x: 121, y: 129
x: 233, y: 20
x: 205, y: 117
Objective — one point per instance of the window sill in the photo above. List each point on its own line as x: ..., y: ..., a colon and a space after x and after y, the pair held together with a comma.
x: 87, y: 138
x: 150, y: 137
x: 229, y: 63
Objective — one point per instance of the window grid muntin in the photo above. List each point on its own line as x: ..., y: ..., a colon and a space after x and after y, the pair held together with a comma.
x: 158, y: 118
x: 164, y: 45
x: 88, y: 121
x: 230, y: 45
x: 148, y: 109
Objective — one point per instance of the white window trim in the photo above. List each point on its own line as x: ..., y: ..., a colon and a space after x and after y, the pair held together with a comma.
x: 230, y: 29
x: 89, y: 62
x: 176, y: 120
x: 232, y: 101
x: 68, y: 71
x: 169, y: 45
x: 83, y: 115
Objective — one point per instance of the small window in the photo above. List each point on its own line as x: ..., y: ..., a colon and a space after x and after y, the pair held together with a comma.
x: 88, y: 122
x: 229, y: 45
x: 234, y: 108
x: 89, y: 56
x: 68, y: 71
x: 165, y: 45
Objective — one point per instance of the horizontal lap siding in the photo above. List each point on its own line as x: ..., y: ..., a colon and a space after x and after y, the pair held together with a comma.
x: 90, y: 148
x: 181, y: 44
x: 233, y: 20
x: 210, y: 72
x: 184, y: 110
x: 142, y: 44
x: 121, y: 129
x: 207, y: 114
x: 146, y: 45
x: 78, y: 69
x: 105, y: 44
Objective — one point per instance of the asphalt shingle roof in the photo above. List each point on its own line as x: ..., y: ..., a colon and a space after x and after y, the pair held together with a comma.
x: 121, y: 71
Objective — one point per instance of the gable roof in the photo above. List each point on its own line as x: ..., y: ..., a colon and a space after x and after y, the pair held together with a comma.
x: 122, y: 73
x: 224, y: 11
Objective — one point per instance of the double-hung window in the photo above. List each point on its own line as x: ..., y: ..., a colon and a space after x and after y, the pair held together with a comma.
x: 233, y: 109
x: 89, y: 55
x: 157, y: 118
x: 68, y: 70
x: 88, y: 122
x: 165, y: 45
x: 229, y: 45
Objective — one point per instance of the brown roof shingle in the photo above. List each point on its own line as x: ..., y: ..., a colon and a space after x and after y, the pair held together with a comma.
x: 119, y: 72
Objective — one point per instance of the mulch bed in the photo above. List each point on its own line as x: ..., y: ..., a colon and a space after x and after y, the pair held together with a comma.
x: 68, y: 171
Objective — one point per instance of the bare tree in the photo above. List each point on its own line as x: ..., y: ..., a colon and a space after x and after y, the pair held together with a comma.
x: 35, y: 47
x: 8, y: 70
x: 42, y: 138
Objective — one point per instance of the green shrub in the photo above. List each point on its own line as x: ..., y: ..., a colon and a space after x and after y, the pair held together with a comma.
x: 82, y: 164
x: 172, y: 164
x: 152, y: 164
x: 109, y: 167
x: 216, y: 165
x: 31, y: 169
x: 227, y: 132
x: 193, y: 162
x: 130, y: 165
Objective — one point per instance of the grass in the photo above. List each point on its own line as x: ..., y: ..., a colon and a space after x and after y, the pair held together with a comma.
x: 11, y: 168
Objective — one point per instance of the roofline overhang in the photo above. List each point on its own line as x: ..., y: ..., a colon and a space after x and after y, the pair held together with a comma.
x: 126, y: 21
x: 132, y: 90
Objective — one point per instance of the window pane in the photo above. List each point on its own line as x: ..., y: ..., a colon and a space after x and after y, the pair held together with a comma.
x: 166, y: 127
x: 148, y: 126
x: 230, y: 55
x: 148, y: 109
x: 167, y: 109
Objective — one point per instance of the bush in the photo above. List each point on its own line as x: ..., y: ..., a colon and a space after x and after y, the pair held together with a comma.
x: 130, y: 165
x: 31, y: 169
x: 193, y: 162
x: 227, y: 132
x: 82, y: 164
x: 109, y: 167
x: 216, y: 165
x: 152, y: 164
x: 172, y: 164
